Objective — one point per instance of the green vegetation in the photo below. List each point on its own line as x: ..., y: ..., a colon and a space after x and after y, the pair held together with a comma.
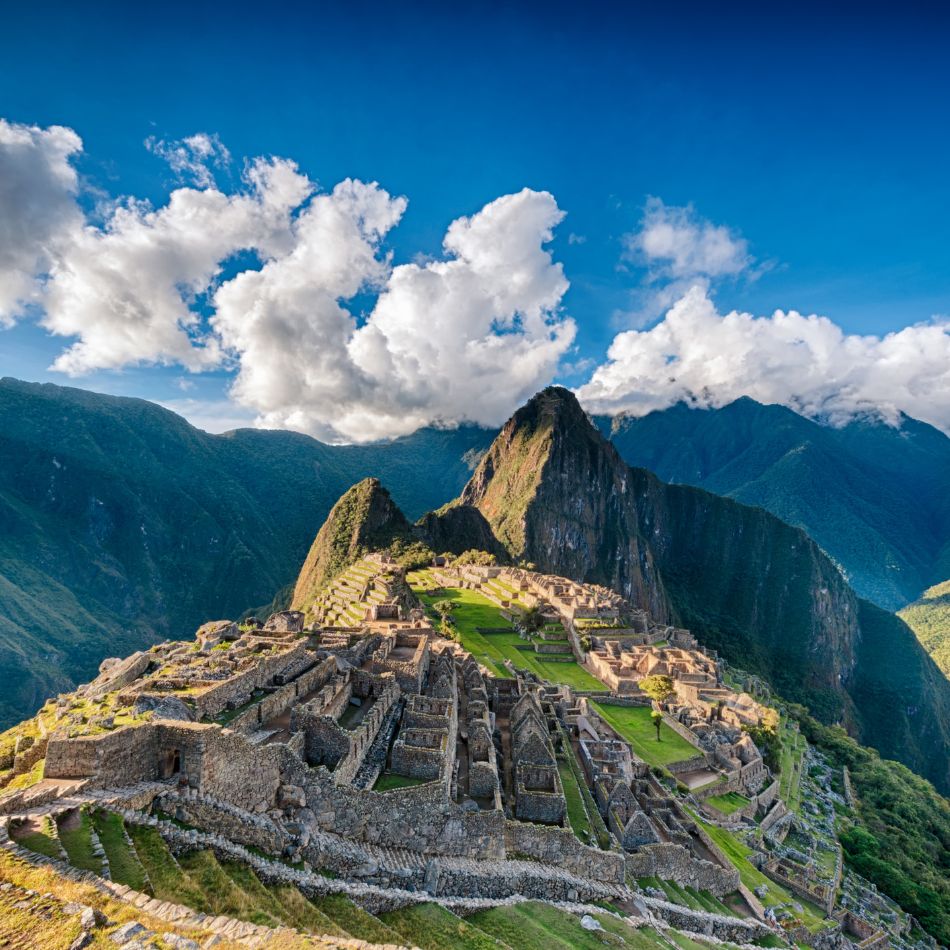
x: 791, y: 763
x: 473, y: 614
x: 898, y: 836
x: 536, y: 926
x: 354, y: 920
x: 155, y: 475
x: 389, y: 780
x: 738, y: 853
x: 659, y: 688
x: 929, y: 618
x: 364, y: 519
x: 223, y: 895
x: 728, y: 803
x: 42, y: 841
x: 168, y: 881
x: 634, y: 724
x: 75, y: 835
x: 124, y: 865
x: 432, y: 927
x: 880, y: 512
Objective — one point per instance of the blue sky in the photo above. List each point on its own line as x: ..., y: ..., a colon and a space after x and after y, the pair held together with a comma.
x: 818, y: 138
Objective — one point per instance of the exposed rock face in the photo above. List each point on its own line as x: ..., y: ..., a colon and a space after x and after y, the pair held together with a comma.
x: 365, y: 518
x: 556, y: 493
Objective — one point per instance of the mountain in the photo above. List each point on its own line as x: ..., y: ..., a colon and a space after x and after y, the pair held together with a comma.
x: 364, y: 519
x: 121, y: 524
x: 873, y: 496
x: 929, y: 618
x: 555, y: 492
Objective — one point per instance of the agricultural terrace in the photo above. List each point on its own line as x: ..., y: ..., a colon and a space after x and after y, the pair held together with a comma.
x: 737, y: 851
x: 633, y: 724
x: 476, y: 618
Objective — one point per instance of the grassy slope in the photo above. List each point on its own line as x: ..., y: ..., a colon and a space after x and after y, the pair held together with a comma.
x: 929, y: 618
x: 432, y: 927
x: 536, y: 926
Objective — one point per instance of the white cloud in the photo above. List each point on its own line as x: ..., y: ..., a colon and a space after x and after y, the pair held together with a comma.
x: 804, y: 362
x: 466, y: 338
x: 679, y: 249
x: 678, y: 243
x: 38, y: 210
x: 126, y: 290
x: 192, y: 158
x: 212, y: 415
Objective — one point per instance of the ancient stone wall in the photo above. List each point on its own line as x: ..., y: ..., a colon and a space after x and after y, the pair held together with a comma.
x: 239, y: 689
x: 673, y: 862
x: 419, y: 819
x: 560, y: 846
x: 284, y: 697
x: 118, y: 758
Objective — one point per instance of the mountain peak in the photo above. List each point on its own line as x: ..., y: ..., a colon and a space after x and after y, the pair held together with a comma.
x: 363, y: 519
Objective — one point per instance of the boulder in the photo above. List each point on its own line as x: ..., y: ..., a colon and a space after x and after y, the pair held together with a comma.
x: 285, y: 621
x: 164, y: 707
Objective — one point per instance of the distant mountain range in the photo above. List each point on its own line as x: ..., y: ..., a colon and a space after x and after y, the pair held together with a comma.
x: 875, y: 497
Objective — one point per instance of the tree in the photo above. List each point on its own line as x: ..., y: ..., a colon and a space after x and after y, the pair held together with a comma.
x: 444, y: 607
x: 659, y: 687
x: 657, y: 718
x: 532, y: 620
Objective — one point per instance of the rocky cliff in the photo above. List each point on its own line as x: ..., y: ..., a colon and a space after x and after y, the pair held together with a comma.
x: 557, y: 494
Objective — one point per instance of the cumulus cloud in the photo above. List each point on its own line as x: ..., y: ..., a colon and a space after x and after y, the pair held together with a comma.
x: 260, y: 279
x: 806, y: 363
x: 127, y: 289
x: 38, y: 210
x: 679, y: 249
x: 680, y: 244
x: 465, y: 338
x: 192, y: 158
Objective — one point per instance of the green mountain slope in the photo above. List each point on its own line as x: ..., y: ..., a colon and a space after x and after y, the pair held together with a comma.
x: 873, y: 496
x: 121, y: 524
x: 929, y: 618
x: 364, y: 519
x: 760, y: 591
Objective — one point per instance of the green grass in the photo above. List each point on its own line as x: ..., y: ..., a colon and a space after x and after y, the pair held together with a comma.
x: 388, y: 781
x: 43, y: 842
x: 302, y: 914
x: 474, y: 610
x: 536, y: 926
x: 576, y: 809
x: 432, y: 927
x: 729, y: 803
x: 169, y: 882
x: 77, y: 843
x: 124, y: 865
x: 791, y: 762
x: 634, y: 724
x: 224, y: 896
x: 594, y: 818
x: 354, y: 920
